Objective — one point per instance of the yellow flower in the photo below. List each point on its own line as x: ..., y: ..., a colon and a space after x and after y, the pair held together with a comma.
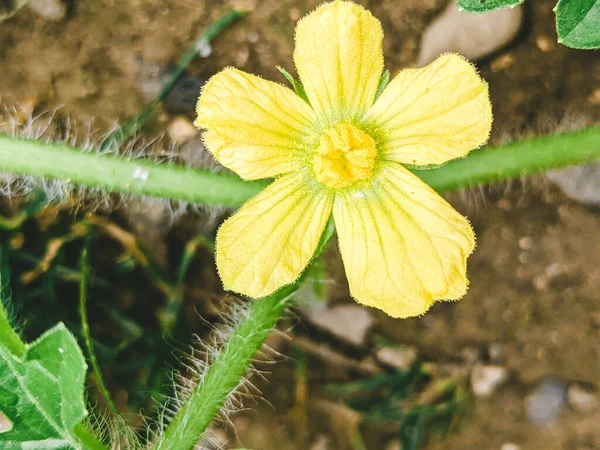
x: 344, y: 152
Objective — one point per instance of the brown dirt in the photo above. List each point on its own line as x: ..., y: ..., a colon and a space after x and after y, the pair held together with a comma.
x: 534, y: 276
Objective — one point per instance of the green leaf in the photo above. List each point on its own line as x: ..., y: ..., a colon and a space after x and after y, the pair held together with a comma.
x: 41, y: 393
x: 298, y: 88
x: 383, y: 82
x: 479, y: 6
x: 578, y: 23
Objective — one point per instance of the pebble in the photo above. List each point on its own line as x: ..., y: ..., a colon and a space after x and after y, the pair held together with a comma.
x: 526, y: 243
x: 400, y: 358
x: 594, y: 97
x: 546, y: 402
x: 322, y: 442
x: 181, y: 130
x: 348, y: 323
x: 583, y: 400
x: 474, y: 36
x: 510, y: 446
x: 486, y: 379
x: 49, y: 9
x: 393, y: 445
x: 581, y: 183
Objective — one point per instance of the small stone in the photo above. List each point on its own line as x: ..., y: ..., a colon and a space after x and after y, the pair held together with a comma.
x: 581, y: 183
x: 544, y: 43
x: 393, y: 445
x: 252, y: 37
x: 474, y: 36
x: 321, y: 442
x: 546, y: 402
x: 349, y: 323
x: 553, y: 270
x: 594, y: 97
x: 241, y: 58
x: 181, y: 130
x: 541, y: 282
x: 294, y: 14
x: 400, y: 358
x: 510, y: 446
x: 495, y: 352
x: 49, y: 9
x: 502, y: 62
x: 583, y: 400
x: 486, y: 379
x: 526, y: 243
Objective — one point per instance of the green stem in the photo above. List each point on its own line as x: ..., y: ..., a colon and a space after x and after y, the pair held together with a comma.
x: 85, y: 329
x: 516, y: 159
x: 146, y: 114
x: 224, y: 374
x: 9, y: 337
x: 89, y: 441
x: 117, y: 174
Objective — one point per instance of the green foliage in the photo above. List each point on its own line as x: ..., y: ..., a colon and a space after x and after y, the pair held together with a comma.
x: 425, y: 408
x: 41, y: 392
x: 384, y: 80
x: 478, y: 6
x: 578, y: 23
x: 298, y: 88
x: 8, y: 336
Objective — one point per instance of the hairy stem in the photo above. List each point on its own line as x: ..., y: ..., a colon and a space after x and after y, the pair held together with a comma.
x: 229, y: 367
x: 516, y: 159
x: 225, y: 373
x: 117, y: 174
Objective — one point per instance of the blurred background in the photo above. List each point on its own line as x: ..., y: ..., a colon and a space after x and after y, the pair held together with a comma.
x: 515, y: 365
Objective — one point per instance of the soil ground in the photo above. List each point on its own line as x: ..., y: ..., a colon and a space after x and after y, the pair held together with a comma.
x: 533, y: 305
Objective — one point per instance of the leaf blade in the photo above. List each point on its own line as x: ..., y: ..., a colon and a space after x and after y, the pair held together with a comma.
x: 42, y: 392
x: 578, y: 23
x: 480, y: 6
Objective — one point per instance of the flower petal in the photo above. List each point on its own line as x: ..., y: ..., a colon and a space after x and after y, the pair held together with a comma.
x: 339, y: 59
x: 255, y: 127
x: 403, y: 245
x: 270, y: 240
x: 434, y: 114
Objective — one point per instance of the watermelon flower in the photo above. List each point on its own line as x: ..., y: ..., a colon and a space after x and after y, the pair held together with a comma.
x: 344, y: 150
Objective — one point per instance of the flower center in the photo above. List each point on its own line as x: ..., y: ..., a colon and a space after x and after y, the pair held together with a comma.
x: 345, y: 155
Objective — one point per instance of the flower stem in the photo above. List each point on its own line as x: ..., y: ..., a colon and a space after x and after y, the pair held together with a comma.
x: 224, y: 375
x: 515, y: 159
x: 117, y: 174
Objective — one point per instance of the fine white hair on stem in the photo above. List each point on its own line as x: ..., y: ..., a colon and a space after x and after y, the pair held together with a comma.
x: 197, y: 360
x: 52, y: 127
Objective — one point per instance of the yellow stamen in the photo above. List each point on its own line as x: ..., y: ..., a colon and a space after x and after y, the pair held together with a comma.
x: 345, y: 155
